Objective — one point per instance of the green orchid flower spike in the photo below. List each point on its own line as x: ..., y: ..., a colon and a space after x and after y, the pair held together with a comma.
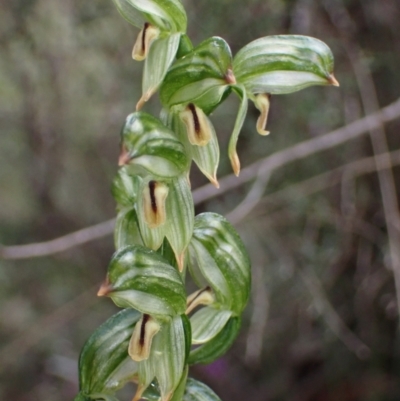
x: 162, y: 24
x: 158, y: 239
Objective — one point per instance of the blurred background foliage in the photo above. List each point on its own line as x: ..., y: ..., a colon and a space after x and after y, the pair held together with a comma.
x: 322, y: 322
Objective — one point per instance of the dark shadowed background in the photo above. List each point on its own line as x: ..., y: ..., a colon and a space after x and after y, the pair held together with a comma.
x: 320, y: 221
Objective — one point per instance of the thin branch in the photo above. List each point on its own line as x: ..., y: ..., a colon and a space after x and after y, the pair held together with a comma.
x: 251, y: 200
x: 331, y: 317
x: 207, y: 192
x: 301, y: 150
x: 346, y: 27
x: 59, y: 244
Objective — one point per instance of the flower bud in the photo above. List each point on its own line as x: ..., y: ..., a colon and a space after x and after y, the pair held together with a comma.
x: 197, y: 125
x: 143, y: 41
x: 204, y: 296
x: 262, y: 103
x: 140, y: 343
x: 154, y: 195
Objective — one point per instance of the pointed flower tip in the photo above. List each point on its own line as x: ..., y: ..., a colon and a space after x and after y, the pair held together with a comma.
x: 138, y: 394
x: 180, y: 259
x: 333, y: 81
x: 235, y: 162
x: 145, y: 98
x: 215, y: 182
x: 230, y: 77
x: 124, y: 157
x: 140, y: 103
x: 105, y: 289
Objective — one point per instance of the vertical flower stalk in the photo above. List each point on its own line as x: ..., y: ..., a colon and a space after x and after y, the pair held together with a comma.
x: 158, y: 238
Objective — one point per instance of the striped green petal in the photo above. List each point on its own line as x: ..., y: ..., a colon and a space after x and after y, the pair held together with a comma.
x: 206, y: 157
x: 207, y: 323
x: 104, y: 363
x: 168, y: 15
x: 213, y: 349
x: 126, y: 231
x: 197, y: 391
x: 180, y: 217
x: 148, y: 147
x: 233, y: 156
x: 220, y: 256
x: 202, y: 76
x: 141, y: 279
x: 166, y: 362
x: 125, y: 188
x: 284, y: 64
x: 162, y: 53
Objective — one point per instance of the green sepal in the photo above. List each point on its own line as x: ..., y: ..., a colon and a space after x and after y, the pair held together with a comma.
x: 197, y: 391
x: 104, y: 363
x: 125, y: 188
x: 168, y: 15
x: 180, y: 217
x: 212, y: 350
x: 200, y: 77
x: 233, y: 156
x: 207, y: 323
x: 162, y: 53
x: 141, y: 279
x: 221, y: 257
x: 206, y: 157
x: 283, y: 64
x: 148, y: 147
x: 187, y: 327
x: 126, y: 231
x: 166, y: 362
x: 181, y: 387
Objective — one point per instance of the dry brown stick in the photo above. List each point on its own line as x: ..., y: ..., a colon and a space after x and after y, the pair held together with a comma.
x: 206, y: 192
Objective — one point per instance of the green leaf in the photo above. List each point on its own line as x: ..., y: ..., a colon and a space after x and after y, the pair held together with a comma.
x: 168, y: 15
x: 233, y: 156
x: 180, y: 217
x: 206, y: 157
x: 220, y: 256
x: 284, y: 64
x: 143, y: 280
x: 126, y: 231
x: 212, y: 350
x: 104, y: 363
x: 162, y: 53
x: 197, y: 391
x: 148, y: 147
x: 166, y: 362
x: 125, y: 188
x: 201, y: 76
x: 207, y: 323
